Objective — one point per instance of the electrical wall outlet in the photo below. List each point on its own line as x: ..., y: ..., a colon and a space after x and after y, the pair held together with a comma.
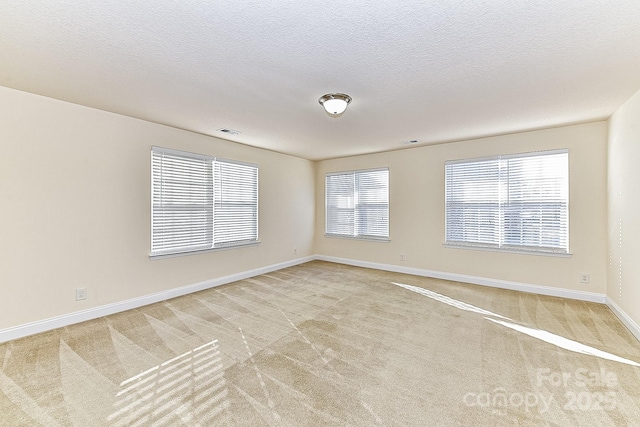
x: 295, y: 251
x: 584, y: 278
x: 81, y: 294
x: 402, y: 257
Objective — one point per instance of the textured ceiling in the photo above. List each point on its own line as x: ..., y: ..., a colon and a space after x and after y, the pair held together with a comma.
x: 434, y: 71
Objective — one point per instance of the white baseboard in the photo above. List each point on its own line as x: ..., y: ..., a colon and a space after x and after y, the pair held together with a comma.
x: 495, y: 283
x: 633, y: 327
x: 105, y: 310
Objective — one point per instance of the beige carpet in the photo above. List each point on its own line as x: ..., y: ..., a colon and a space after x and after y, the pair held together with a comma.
x: 324, y: 344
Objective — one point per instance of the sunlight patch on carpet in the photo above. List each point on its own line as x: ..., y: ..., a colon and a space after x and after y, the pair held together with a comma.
x: 155, y: 395
x: 563, y: 342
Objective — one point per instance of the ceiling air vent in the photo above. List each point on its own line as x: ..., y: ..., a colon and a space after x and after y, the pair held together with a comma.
x: 229, y: 131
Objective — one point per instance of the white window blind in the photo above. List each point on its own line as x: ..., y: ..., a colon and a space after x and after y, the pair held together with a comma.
x: 201, y: 202
x: 514, y: 202
x: 357, y: 204
x: 235, y: 210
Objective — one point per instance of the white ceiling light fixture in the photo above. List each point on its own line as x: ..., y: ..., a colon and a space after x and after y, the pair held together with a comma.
x: 335, y: 103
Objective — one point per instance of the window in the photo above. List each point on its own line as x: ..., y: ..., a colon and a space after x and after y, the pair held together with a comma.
x: 516, y: 202
x: 357, y: 204
x: 201, y: 202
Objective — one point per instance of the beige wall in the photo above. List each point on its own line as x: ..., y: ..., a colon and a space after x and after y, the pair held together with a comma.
x: 623, y: 286
x: 75, y: 195
x: 416, y: 179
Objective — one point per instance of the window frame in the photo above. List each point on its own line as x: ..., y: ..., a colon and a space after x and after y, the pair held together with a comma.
x: 211, y: 200
x: 359, y: 209
x: 505, y: 205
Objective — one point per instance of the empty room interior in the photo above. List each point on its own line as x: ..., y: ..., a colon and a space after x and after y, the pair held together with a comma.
x: 309, y: 214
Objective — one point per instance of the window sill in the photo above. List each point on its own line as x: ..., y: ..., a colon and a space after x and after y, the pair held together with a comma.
x: 509, y: 250
x: 180, y: 254
x: 368, y: 239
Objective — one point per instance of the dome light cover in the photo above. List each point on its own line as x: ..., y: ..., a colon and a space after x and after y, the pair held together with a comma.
x: 335, y: 103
